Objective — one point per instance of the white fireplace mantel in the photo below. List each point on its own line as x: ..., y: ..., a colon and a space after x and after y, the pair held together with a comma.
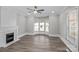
x: 3, y: 32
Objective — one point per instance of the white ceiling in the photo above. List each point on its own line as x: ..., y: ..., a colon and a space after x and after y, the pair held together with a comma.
x: 47, y: 12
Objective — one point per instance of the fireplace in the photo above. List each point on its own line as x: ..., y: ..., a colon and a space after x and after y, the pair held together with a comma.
x: 9, y: 37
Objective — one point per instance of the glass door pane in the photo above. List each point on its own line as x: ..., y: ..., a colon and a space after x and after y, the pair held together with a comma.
x: 42, y: 26
x: 47, y: 27
x: 36, y: 27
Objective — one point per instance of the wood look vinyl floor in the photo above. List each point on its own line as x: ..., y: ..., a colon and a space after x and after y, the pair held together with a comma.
x: 36, y: 43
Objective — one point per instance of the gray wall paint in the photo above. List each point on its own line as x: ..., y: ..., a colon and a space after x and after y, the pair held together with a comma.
x: 21, y: 24
x: 30, y: 24
x: 63, y: 25
x: 54, y: 24
x: 8, y: 17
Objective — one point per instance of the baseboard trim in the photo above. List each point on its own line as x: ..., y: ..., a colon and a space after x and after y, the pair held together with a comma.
x: 21, y: 35
x: 11, y: 43
x: 56, y: 35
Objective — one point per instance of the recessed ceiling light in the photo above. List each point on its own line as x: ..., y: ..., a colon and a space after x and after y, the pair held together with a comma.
x: 53, y: 11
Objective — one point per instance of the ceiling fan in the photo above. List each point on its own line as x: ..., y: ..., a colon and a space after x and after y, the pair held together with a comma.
x: 35, y: 10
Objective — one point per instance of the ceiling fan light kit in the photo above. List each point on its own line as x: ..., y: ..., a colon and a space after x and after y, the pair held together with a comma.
x: 35, y: 12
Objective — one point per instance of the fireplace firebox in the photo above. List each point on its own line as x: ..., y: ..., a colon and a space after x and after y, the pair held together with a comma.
x: 9, y: 37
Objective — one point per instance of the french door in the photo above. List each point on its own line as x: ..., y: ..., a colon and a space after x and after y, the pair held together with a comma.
x: 41, y: 27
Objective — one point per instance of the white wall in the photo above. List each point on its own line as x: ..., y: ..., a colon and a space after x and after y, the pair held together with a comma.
x: 63, y: 25
x: 8, y: 17
x: 30, y: 24
x: 21, y: 24
x: 54, y: 24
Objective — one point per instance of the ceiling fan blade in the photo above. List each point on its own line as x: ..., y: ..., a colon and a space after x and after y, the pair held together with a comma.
x: 41, y: 10
x: 29, y: 9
